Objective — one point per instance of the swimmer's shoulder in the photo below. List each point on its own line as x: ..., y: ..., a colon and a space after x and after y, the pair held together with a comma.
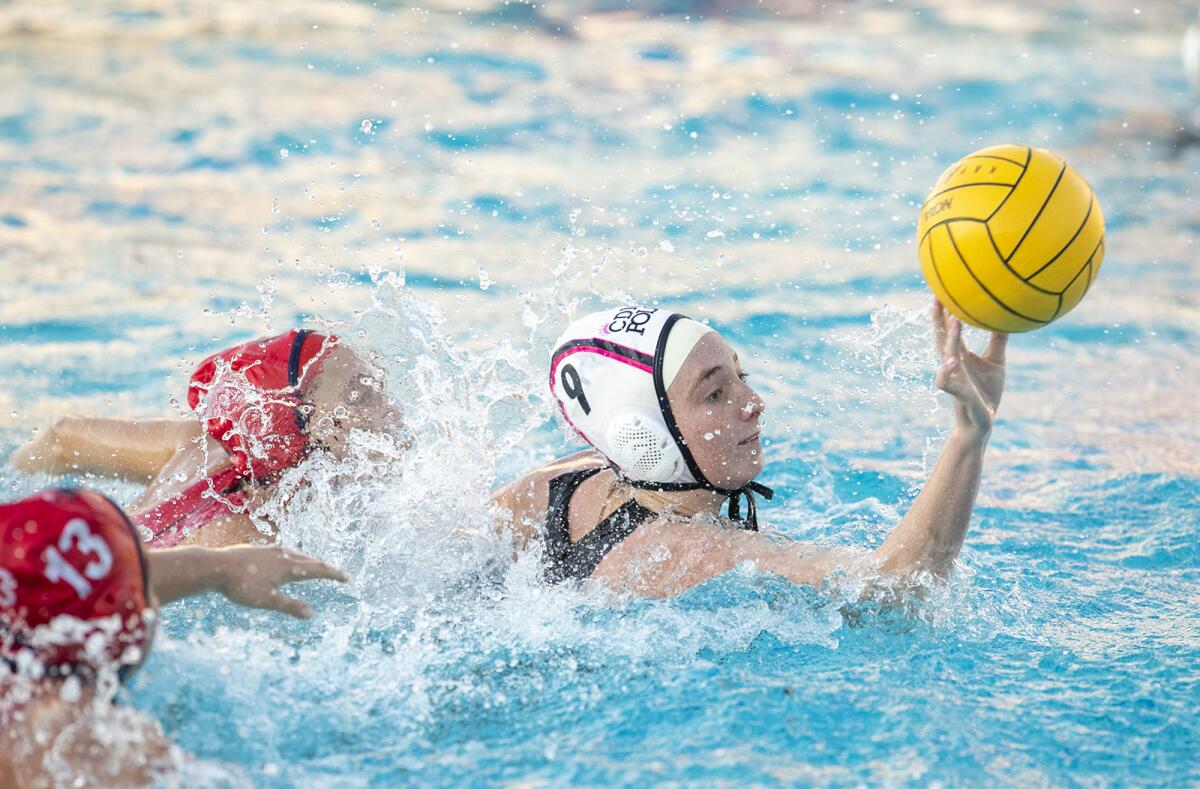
x: 147, y: 753
x: 528, y: 497
x: 27, y: 736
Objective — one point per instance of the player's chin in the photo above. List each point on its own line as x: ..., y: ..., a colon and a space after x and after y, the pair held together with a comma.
x: 750, y: 465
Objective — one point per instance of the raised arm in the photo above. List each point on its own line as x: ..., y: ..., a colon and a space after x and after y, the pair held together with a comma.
x: 249, y: 575
x: 133, y: 449
x: 931, y: 533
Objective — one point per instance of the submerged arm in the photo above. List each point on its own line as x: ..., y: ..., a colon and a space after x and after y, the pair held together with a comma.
x: 512, y: 507
x: 133, y: 449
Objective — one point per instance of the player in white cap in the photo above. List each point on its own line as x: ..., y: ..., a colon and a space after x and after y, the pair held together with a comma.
x: 674, y: 427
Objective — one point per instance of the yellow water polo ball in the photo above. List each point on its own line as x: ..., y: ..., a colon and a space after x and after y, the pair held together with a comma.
x: 1010, y: 238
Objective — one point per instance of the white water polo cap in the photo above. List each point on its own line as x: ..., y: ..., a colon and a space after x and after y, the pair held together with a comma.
x: 610, y: 372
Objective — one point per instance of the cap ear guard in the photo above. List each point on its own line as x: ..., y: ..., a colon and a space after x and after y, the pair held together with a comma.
x: 640, y: 445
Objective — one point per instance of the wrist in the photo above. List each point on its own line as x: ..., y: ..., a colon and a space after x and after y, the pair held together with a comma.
x: 177, y: 573
x: 969, y: 436
x: 209, y: 572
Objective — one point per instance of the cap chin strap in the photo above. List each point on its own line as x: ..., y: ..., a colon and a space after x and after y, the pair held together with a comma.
x: 750, y: 520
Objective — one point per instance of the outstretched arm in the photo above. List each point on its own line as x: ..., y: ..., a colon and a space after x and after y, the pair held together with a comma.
x: 249, y: 575
x: 133, y: 449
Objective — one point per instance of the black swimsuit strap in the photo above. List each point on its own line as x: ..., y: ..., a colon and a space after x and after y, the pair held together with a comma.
x: 733, y: 497
x: 578, y: 560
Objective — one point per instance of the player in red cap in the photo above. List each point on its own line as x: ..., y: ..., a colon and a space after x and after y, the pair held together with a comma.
x: 78, y: 601
x: 262, y: 407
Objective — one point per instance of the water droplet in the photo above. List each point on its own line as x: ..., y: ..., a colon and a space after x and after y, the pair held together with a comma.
x: 283, y: 153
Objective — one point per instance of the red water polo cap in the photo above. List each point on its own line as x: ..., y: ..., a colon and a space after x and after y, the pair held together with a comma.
x: 248, y: 399
x: 73, y: 582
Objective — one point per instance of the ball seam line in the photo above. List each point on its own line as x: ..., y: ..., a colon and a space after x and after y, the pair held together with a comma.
x: 991, y: 156
x: 964, y: 186
x: 1082, y: 225
x: 934, y: 227
x: 1085, y: 267
x: 992, y: 240
x: 1092, y: 268
x: 937, y: 272
x: 996, y: 247
x: 1028, y: 159
x: 1062, y: 171
x: 984, y: 288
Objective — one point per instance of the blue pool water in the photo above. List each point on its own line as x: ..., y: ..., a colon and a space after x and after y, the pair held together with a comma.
x: 174, y: 177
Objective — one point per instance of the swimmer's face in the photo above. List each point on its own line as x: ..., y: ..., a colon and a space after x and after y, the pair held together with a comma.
x: 347, y: 394
x: 717, y: 413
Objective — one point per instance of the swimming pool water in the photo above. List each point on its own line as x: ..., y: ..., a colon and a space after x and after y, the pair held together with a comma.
x: 174, y: 177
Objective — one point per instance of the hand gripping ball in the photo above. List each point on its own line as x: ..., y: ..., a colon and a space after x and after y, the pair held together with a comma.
x: 1010, y: 238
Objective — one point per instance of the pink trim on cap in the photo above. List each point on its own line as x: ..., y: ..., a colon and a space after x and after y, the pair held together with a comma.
x: 592, y: 349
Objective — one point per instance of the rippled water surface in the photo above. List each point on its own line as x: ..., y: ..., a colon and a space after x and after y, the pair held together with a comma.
x: 446, y: 184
